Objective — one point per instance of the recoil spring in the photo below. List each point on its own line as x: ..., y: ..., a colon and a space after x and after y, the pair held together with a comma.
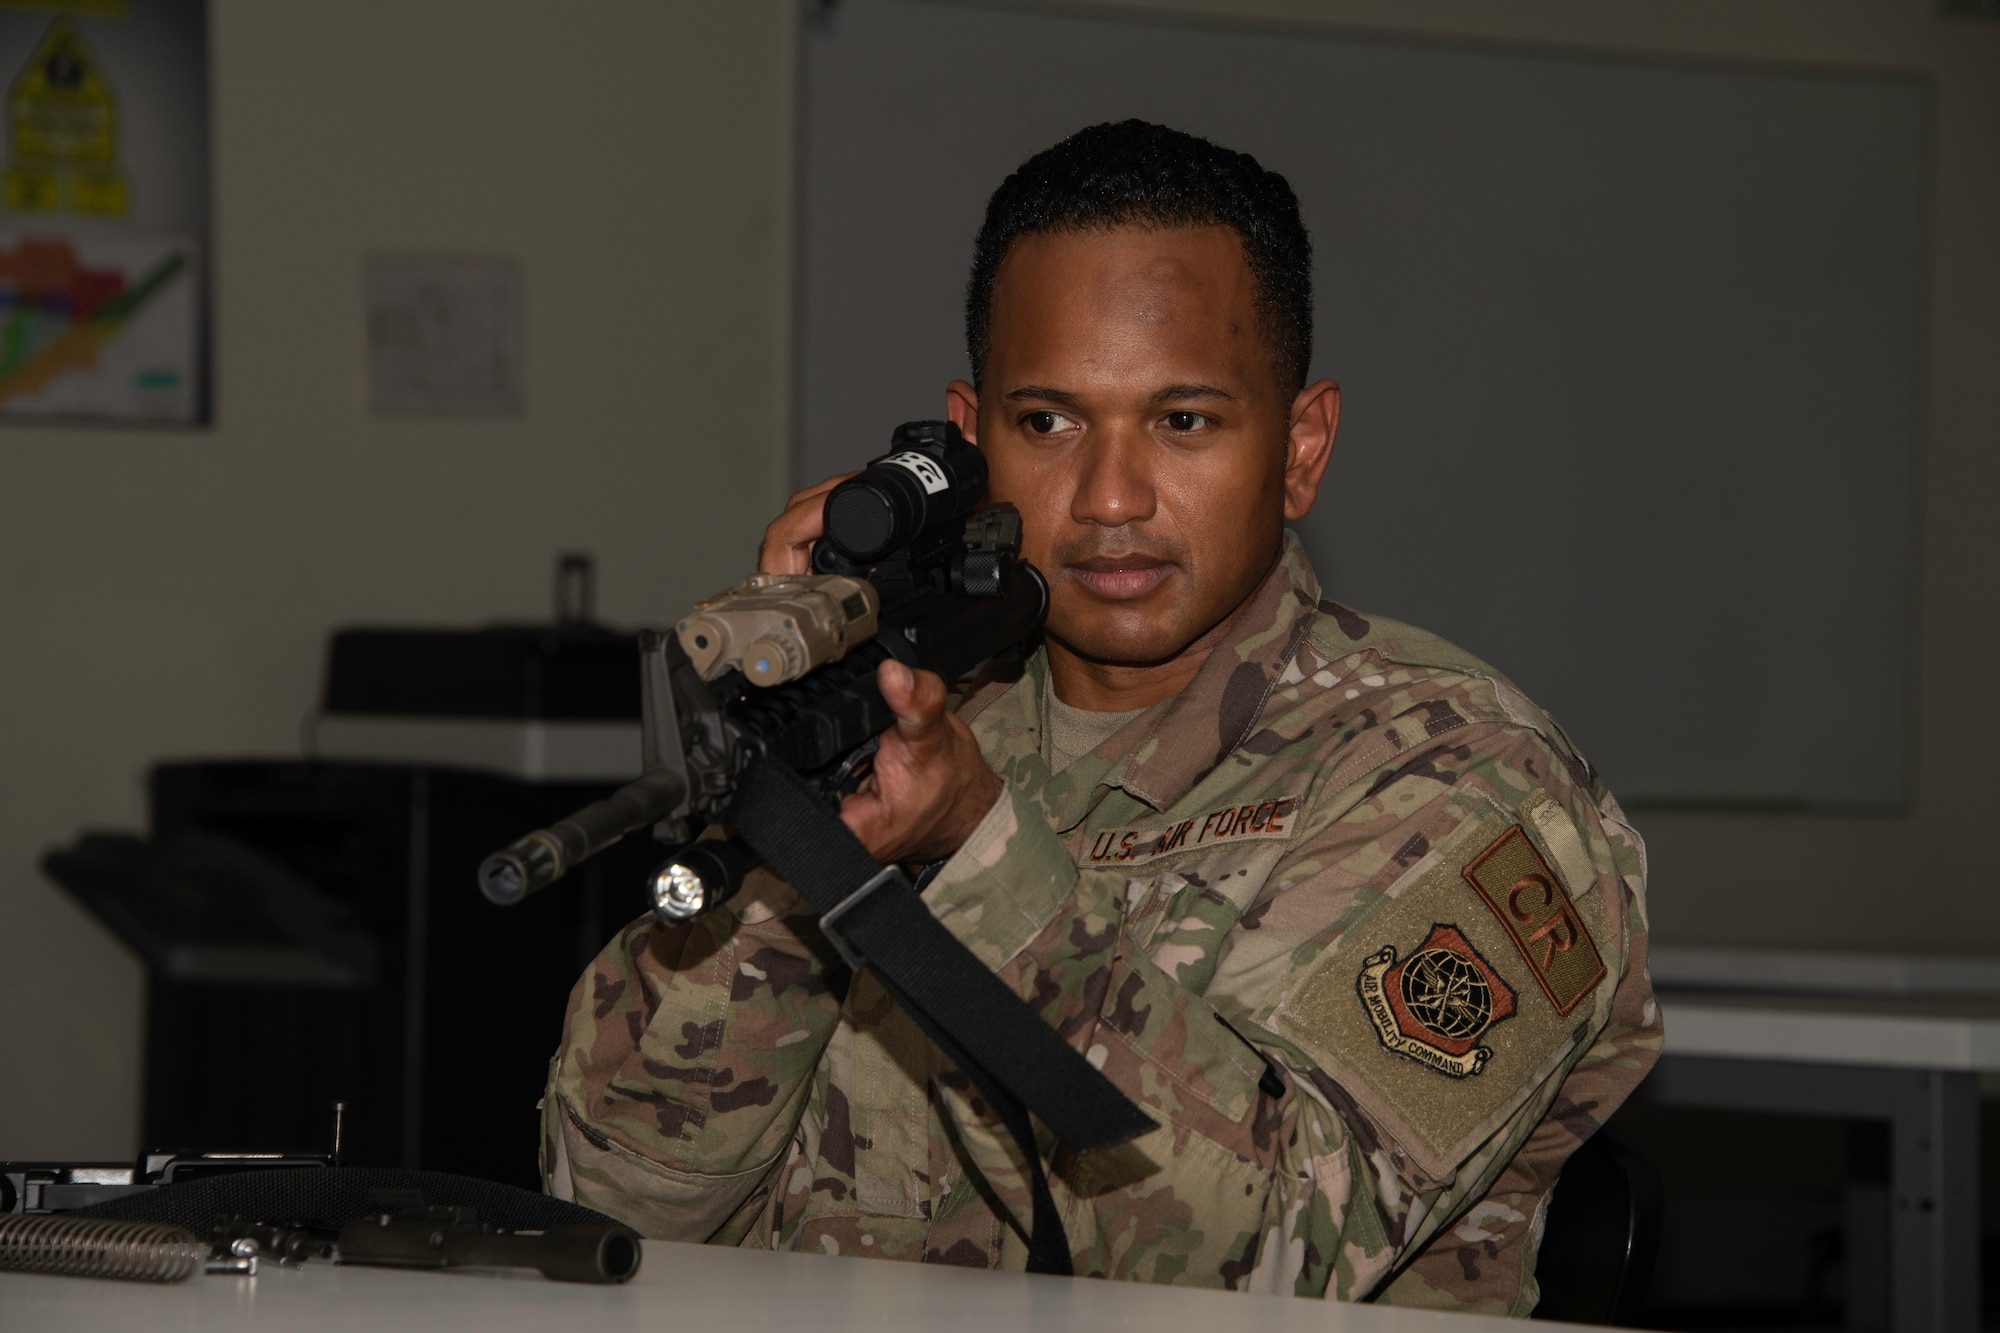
x: 99, y: 1247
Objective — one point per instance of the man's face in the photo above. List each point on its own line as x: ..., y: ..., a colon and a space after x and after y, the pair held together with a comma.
x: 1131, y: 410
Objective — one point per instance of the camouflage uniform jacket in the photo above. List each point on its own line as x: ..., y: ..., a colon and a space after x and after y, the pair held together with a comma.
x: 1348, y: 916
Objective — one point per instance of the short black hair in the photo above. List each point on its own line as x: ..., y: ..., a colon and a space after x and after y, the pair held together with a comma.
x: 1134, y: 173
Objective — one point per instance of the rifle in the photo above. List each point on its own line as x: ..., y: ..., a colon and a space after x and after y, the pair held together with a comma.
x: 782, y: 667
x: 761, y: 710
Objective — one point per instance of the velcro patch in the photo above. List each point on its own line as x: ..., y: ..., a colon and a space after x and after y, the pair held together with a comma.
x: 1422, y: 1011
x: 1532, y: 904
x: 1273, y: 818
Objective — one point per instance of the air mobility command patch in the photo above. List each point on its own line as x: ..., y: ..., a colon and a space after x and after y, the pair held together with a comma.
x: 1433, y: 1005
x: 1451, y: 1003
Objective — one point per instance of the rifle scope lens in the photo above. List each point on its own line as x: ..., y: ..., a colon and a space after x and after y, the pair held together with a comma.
x: 862, y: 518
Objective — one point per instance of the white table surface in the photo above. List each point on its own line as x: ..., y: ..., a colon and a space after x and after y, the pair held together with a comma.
x: 689, y: 1287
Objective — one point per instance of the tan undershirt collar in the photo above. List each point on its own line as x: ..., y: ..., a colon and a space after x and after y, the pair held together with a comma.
x: 1074, y: 732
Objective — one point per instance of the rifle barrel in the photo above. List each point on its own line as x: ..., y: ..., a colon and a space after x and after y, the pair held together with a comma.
x: 532, y: 863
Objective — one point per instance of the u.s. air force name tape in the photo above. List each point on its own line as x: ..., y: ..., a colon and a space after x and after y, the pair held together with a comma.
x: 1272, y: 818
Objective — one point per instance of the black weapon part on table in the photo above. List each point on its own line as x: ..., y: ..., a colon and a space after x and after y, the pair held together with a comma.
x: 59, y: 1187
x: 406, y: 1231
x: 421, y: 1235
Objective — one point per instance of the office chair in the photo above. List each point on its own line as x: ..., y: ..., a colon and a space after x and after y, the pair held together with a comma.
x: 1602, y: 1233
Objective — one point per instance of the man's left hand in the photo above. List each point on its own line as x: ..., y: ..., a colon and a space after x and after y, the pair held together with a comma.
x: 930, y: 786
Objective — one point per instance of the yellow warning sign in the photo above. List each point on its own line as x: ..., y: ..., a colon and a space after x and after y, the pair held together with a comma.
x: 63, y: 130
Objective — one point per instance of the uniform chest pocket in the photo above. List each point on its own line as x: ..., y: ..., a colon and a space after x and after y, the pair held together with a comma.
x: 878, y: 1110
x: 1194, y: 1066
x: 1185, y: 923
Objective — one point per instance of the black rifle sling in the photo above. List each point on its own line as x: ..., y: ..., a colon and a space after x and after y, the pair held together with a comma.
x: 875, y: 917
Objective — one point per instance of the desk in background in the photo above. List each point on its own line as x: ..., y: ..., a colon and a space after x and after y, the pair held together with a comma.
x: 1900, y: 1040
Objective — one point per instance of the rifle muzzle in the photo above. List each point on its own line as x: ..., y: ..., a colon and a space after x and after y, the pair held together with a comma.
x: 531, y: 864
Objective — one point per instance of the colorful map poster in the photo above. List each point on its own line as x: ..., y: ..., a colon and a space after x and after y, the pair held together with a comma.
x: 104, y: 203
x: 98, y: 327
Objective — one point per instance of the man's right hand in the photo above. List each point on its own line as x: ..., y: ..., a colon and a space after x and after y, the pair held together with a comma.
x: 787, y: 547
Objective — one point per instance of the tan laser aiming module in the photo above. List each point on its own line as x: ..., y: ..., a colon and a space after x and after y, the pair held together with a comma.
x: 777, y: 627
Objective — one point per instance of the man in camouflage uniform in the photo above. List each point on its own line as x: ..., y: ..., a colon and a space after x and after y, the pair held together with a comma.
x: 1344, y: 912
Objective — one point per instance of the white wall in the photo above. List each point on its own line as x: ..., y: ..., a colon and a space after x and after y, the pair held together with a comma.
x: 169, y: 595
x: 1927, y: 880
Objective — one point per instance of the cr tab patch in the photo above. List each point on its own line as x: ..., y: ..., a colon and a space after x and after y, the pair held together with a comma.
x: 1532, y: 904
x: 1434, y: 1005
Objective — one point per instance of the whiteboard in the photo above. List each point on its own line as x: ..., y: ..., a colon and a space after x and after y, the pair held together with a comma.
x: 1631, y: 353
